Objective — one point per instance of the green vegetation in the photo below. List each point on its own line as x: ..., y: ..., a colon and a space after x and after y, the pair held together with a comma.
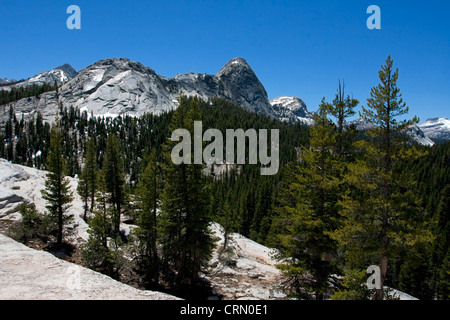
x: 57, y: 190
x: 15, y: 94
x: 340, y: 202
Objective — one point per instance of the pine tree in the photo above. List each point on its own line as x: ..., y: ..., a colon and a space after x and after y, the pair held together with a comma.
x: 263, y: 208
x: 102, y: 252
x: 88, y: 178
x: 381, y: 214
x: 113, y: 170
x: 9, y: 126
x: 342, y: 108
x: 441, y: 251
x: 147, y: 198
x: 308, y: 212
x: 101, y: 224
x: 184, y: 207
x: 83, y: 191
x: 2, y: 146
x: 225, y: 218
x: 173, y: 197
x: 351, y: 287
x: 57, y: 189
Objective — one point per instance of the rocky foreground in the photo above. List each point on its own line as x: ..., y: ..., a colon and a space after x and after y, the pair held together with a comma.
x: 29, y: 274
x: 247, y: 272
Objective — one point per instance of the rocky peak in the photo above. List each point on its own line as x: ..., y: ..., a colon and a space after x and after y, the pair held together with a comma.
x: 294, y: 104
x: 292, y: 109
x: 235, y: 65
x: 6, y: 81
x: 116, y: 65
x: 68, y: 70
x: 437, y: 129
x: 59, y: 75
x: 242, y: 86
x: 117, y: 86
x: 413, y: 131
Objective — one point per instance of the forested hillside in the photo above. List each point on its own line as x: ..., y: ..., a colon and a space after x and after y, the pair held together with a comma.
x: 124, y: 168
x: 15, y: 94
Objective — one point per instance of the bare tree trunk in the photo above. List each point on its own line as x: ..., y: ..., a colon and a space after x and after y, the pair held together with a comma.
x: 60, y: 226
x: 196, y: 267
x: 379, y: 294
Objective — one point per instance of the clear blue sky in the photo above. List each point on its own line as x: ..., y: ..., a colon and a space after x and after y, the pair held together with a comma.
x: 297, y: 48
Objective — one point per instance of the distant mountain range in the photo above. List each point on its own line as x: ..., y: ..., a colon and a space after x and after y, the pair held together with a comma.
x: 437, y: 129
x: 118, y: 86
x: 413, y: 131
x: 6, y: 81
x: 292, y: 109
x: 59, y: 75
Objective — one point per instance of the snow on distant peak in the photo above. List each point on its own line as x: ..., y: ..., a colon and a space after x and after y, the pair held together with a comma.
x: 292, y: 109
x: 419, y: 136
x: 413, y: 131
x: 59, y: 75
x: 291, y: 103
x: 238, y: 60
x: 47, y: 76
x: 437, y: 129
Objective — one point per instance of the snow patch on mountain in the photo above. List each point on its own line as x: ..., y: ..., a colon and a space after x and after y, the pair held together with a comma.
x: 5, y: 81
x: 414, y: 132
x: 120, y: 86
x: 437, y: 129
x: 419, y: 136
x: 292, y: 109
x: 59, y: 75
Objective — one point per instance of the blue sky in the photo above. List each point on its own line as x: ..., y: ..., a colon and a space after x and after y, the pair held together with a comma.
x: 297, y: 48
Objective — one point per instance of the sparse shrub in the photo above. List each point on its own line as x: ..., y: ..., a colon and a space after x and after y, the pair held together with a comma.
x: 33, y: 224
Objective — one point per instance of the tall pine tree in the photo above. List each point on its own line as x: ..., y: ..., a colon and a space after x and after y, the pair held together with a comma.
x: 342, y: 108
x: 184, y: 207
x: 113, y: 171
x: 147, y: 198
x: 381, y: 214
x: 57, y: 189
x: 102, y: 252
x: 88, y: 178
x: 441, y: 251
x: 308, y: 212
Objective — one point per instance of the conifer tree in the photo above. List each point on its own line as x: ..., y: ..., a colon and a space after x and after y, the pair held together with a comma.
x: 173, y: 197
x: 9, y: 126
x: 2, y: 146
x: 102, y: 252
x: 381, y: 214
x: 441, y: 251
x: 226, y: 219
x: 57, y: 191
x: 184, y: 212
x: 147, y: 198
x: 83, y: 191
x: 342, y: 108
x: 308, y: 212
x: 32, y: 225
x: 263, y: 210
x: 113, y: 171
x: 88, y: 178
